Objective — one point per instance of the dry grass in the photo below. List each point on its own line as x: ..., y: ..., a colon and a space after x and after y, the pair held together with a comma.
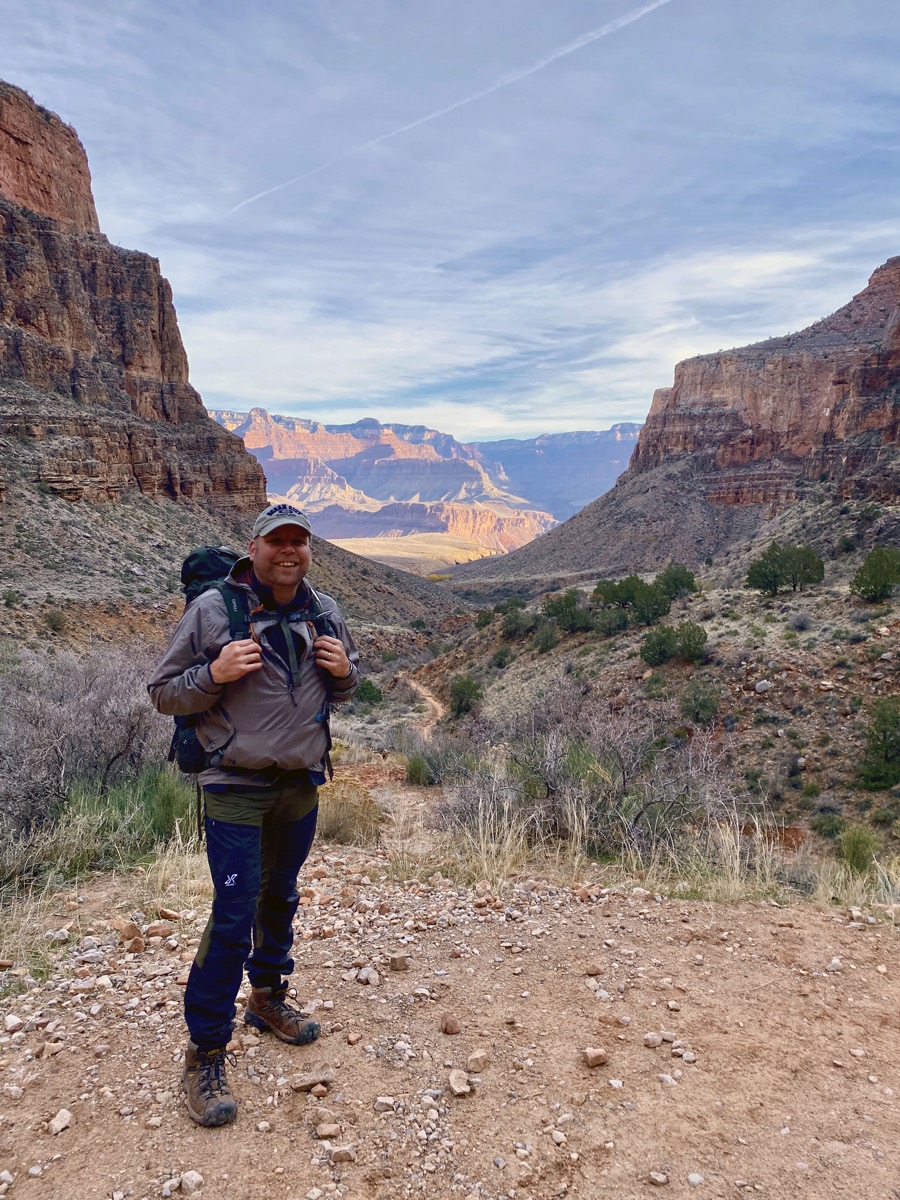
x: 25, y: 917
x: 348, y: 814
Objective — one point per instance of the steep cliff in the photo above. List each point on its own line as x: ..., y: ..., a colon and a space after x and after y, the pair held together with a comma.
x: 94, y: 391
x: 812, y: 417
x: 825, y: 401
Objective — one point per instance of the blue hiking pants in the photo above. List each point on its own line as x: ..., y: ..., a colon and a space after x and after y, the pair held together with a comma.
x: 254, y: 868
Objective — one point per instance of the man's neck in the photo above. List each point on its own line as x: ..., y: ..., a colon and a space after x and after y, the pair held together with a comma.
x: 277, y: 597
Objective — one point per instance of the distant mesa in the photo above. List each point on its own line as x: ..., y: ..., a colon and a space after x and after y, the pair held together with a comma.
x: 738, y: 437
x: 418, y: 498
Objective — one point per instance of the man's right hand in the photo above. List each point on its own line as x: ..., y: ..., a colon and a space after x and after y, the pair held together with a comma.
x: 236, y: 660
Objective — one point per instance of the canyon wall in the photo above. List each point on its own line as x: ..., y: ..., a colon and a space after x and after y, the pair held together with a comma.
x: 94, y: 391
x: 825, y: 401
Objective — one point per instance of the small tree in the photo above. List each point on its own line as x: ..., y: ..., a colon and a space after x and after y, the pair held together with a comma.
x: 649, y: 603
x: 767, y: 573
x: 610, y: 620
x: 659, y: 646
x: 465, y: 692
x: 368, y: 692
x: 878, y: 575
x: 483, y: 617
x: 881, y: 764
x: 691, y: 641
x: 676, y: 580
x: 800, y: 566
x: 569, y: 611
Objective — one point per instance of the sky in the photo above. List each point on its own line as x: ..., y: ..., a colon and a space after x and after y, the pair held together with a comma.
x: 498, y: 220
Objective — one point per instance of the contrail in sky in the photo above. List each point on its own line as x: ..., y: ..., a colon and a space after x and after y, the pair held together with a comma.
x: 585, y: 39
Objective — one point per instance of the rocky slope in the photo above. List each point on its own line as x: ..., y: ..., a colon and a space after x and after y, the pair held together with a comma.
x: 94, y: 392
x: 740, y: 437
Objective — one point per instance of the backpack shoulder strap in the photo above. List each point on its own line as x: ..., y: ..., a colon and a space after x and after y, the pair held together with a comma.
x: 238, y: 609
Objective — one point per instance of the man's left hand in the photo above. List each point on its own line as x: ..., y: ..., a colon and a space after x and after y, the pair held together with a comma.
x: 331, y: 656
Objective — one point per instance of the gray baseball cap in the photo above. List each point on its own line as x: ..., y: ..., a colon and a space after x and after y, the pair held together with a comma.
x: 279, y: 514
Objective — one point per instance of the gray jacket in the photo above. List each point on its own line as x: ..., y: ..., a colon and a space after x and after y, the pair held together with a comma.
x: 273, y: 718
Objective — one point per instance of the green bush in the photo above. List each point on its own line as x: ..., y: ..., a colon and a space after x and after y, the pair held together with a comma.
x: 417, y: 771
x: 516, y: 623
x: 857, y: 846
x: 483, y: 617
x: 465, y: 692
x: 690, y: 640
x: 55, y: 620
x: 827, y: 825
x: 569, y: 611
x: 781, y: 566
x: 368, y: 692
x: 12, y: 598
x: 659, y: 646
x: 878, y: 575
x: 545, y: 637
x: 609, y: 621
x: 502, y: 657
x: 700, y: 701
x: 676, y: 581
x: 649, y: 603
x: 881, y: 762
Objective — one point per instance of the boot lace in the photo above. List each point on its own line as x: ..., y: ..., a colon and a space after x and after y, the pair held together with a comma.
x: 213, y: 1083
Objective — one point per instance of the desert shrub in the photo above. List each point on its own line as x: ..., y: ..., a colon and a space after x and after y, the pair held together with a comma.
x: 483, y: 618
x: 348, y: 814
x: 789, y: 565
x: 69, y: 720
x: 368, y: 692
x: 676, y: 581
x: 513, y: 604
x: 878, y: 575
x: 465, y: 692
x: 545, y: 637
x: 857, y: 846
x: 700, y: 700
x: 417, y: 623
x: 516, y: 623
x: 659, y: 646
x: 569, y: 611
x: 799, y: 621
x: 55, y: 620
x: 881, y: 762
x: 502, y: 657
x: 417, y: 770
x: 649, y: 603
x: 827, y: 824
x: 690, y: 640
x: 12, y: 598
x: 609, y: 621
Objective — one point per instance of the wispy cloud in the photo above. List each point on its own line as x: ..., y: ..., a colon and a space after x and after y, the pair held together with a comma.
x: 718, y: 174
x: 504, y: 81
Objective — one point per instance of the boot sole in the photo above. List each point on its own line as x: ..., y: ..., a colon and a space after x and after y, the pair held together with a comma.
x: 222, y: 1114
x: 308, y: 1034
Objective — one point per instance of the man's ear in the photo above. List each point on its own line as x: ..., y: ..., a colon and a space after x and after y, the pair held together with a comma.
x: 251, y: 549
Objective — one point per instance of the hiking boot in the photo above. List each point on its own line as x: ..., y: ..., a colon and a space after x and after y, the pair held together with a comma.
x: 267, y: 1009
x: 209, y: 1098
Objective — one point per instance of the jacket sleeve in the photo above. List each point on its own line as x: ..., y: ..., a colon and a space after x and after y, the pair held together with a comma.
x: 182, y: 682
x: 343, y: 689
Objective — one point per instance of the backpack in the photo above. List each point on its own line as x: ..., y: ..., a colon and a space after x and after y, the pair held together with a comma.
x: 204, y: 568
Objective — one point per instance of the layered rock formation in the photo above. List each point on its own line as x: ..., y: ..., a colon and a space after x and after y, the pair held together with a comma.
x: 820, y: 402
x: 94, y: 391
x: 738, y: 437
x: 372, y: 481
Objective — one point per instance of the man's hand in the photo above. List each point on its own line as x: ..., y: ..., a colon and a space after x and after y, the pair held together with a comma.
x: 331, y: 656
x: 236, y: 660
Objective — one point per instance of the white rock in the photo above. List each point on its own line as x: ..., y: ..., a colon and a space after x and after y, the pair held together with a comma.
x: 652, y: 1040
x: 384, y: 1104
x: 559, y: 1137
x: 191, y: 1181
x: 61, y: 1121
x: 12, y: 1023
x: 659, y: 1178
x: 695, y: 1179
x: 763, y: 686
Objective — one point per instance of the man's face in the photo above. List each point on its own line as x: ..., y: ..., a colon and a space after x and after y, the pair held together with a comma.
x: 281, y: 558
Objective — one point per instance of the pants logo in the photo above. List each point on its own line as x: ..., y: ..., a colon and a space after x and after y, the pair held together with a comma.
x: 229, y: 879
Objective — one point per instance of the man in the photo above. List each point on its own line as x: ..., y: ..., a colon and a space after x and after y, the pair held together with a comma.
x: 263, y: 705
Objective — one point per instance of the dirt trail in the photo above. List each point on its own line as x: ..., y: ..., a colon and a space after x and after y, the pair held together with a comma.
x: 436, y: 711
x: 776, y: 1073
